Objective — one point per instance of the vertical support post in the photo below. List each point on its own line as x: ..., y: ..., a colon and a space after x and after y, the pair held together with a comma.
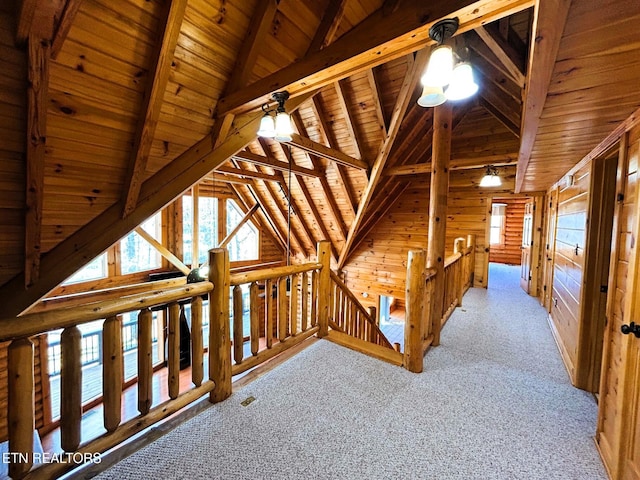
x: 459, y: 247
x: 197, y: 347
x: 471, y: 243
x: 413, y: 327
x: 21, y: 414
x: 442, y: 118
x: 324, y: 286
x: 173, y: 377
x: 70, y: 388
x: 219, y: 329
x: 238, y: 337
x: 112, y: 372
x: 145, y: 361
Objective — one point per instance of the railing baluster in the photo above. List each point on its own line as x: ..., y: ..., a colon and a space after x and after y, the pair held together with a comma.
x: 219, y: 335
x: 305, y: 301
x: 373, y: 333
x: 112, y: 372
x: 145, y: 361
x: 173, y: 363
x: 70, y: 388
x: 314, y: 298
x: 283, y: 308
x: 293, y: 306
x: 197, y: 344
x: 268, y: 312
x: 21, y: 412
x: 254, y: 317
x: 238, y: 337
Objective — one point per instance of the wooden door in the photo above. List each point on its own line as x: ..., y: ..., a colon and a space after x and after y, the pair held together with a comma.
x: 527, y: 240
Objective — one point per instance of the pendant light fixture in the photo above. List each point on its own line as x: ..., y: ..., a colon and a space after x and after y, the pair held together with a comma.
x: 441, y: 81
x: 276, y: 122
x: 492, y: 178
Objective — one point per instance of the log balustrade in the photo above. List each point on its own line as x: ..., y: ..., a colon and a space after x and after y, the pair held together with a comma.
x: 425, y: 313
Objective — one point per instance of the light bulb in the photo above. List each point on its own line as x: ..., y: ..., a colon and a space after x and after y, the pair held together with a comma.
x: 283, y: 128
x: 440, y: 67
x: 267, y: 127
x: 462, y: 84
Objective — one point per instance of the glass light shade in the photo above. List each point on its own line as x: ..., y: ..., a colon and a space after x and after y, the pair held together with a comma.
x: 491, y: 180
x: 267, y: 127
x: 462, y: 84
x: 283, y: 127
x: 439, y: 68
x: 431, y: 97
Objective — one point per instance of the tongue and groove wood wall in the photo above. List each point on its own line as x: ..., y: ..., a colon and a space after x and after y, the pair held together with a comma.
x: 509, y: 252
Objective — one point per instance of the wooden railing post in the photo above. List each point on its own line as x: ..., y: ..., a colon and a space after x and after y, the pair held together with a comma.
x: 145, y: 361
x: 219, y: 329
x: 414, y: 320
x: 173, y: 344
x: 197, y: 348
x: 112, y: 372
x: 70, y: 388
x: 324, y: 287
x: 460, y: 247
x: 471, y: 243
x: 21, y: 407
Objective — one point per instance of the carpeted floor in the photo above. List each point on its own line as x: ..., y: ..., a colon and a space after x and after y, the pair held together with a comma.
x: 494, y: 402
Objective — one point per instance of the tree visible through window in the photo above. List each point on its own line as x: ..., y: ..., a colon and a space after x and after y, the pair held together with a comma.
x: 136, y: 255
x: 498, y: 213
x: 94, y: 270
x: 244, y: 244
x: 207, y: 227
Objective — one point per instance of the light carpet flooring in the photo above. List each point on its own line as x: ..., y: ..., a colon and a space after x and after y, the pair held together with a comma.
x: 494, y: 402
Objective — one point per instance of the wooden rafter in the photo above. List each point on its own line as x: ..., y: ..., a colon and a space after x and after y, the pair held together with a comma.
x: 231, y: 178
x: 26, y: 13
x: 265, y: 161
x: 351, y: 126
x: 64, y: 25
x: 261, y: 22
x: 308, y: 145
x: 246, y: 174
x: 510, y: 58
x: 485, y: 71
x: 247, y: 216
x: 409, y: 83
x: 377, y: 101
x: 154, y: 95
x: 477, y: 45
x: 333, y: 206
x: 381, y: 37
x: 162, y: 250
x: 460, y: 164
x: 37, y: 98
x: 548, y: 25
x: 327, y: 133
x: 499, y: 115
x: 328, y: 25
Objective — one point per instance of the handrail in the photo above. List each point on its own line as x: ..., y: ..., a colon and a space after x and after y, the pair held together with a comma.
x: 36, y: 323
x: 343, y: 286
x: 267, y: 273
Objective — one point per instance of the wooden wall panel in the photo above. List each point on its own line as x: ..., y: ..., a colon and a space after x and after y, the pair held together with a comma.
x: 568, y: 266
x: 13, y: 96
x: 510, y: 252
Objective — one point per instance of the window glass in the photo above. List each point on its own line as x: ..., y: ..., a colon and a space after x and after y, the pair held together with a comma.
x: 498, y: 211
x: 207, y: 227
x: 136, y: 255
x: 94, y: 270
x: 244, y: 244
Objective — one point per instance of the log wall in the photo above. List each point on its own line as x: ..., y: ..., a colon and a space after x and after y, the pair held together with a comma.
x: 510, y: 252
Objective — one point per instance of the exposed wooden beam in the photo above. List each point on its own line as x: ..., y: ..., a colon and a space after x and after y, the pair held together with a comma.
x: 26, y: 13
x: 510, y: 58
x: 232, y: 178
x: 487, y: 72
x: 246, y: 174
x: 327, y: 133
x: 37, y: 103
x: 333, y: 206
x: 381, y: 37
x: 351, y: 127
x: 455, y: 164
x: 503, y: 106
x: 548, y: 24
x: 498, y: 115
x: 264, y: 161
x: 261, y: 22
x: 64, y: 25
x: 162, y: 250
x: 328, y: 25
x: 377, y: 101
x: 476, y: 44
x: 247, y: 216
x: 402, y: 102
x: 154, y: 95
x: 320, y: 150
x: 272, y: 231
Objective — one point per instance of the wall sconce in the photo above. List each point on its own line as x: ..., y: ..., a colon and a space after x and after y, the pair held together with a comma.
x: 441, y: 73
x: 276, y: 122
x: 491, y: 179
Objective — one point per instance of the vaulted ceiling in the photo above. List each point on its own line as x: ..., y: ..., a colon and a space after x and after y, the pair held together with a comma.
x: 129, y: 103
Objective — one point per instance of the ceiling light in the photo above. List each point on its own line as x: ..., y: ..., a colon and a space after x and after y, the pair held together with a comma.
x: 462, y: 84
x: 491, y: 178
x: 431, y: 97
x: 439, y: 68
x: 279, y: 128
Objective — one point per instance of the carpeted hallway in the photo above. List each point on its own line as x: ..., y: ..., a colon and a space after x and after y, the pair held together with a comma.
x: 494, y: 402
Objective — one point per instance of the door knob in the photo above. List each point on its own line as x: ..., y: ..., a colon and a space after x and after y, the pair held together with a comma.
x: 631, y: 328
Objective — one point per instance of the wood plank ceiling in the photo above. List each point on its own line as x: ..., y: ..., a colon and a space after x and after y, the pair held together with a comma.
x: 141, y: 99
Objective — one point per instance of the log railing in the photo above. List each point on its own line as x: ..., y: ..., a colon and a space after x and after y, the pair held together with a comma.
x: 355, y: 327
x: 425, y: 314
x: 299, y: 309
